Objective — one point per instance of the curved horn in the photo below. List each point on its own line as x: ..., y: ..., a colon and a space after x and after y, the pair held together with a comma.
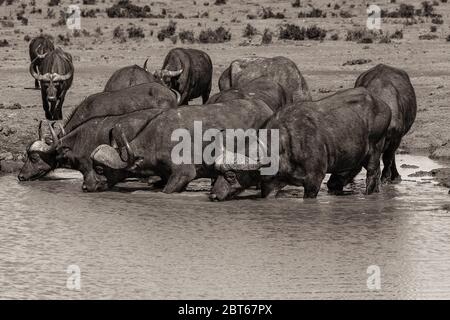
x: 107, y: 156
x: 145, y: 65
x: 130, y: 153
x: 41, y: 129
x: 34, y: 74
x: 61, y: 129
x: 178, y: 95
x: 42, y: 55
x: 54, y: 135
x: 125, y: 151
x: 172, y: 73
x: 58, y: 77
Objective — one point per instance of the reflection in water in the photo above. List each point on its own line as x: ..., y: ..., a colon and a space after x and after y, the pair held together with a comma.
x: 146, y: 244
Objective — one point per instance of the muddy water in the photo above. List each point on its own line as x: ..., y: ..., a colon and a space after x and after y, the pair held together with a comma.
x: 133, y: 243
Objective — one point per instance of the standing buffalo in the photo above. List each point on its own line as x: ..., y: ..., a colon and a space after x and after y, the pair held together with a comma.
x: 278, y: 69
x: 89, y: 125
x: 394, y: 87
x: 339, y: 135
x: 55, y: 77
x: 189, y: 71
x: 39, y: 48
x: 128, y: 77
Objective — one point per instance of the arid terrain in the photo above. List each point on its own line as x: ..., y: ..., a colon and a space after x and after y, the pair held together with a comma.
x: 330, y: 56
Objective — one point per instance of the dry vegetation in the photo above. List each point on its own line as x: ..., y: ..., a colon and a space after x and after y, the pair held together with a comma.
x: 328, y: 39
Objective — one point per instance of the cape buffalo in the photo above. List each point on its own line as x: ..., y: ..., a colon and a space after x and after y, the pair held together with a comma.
x: 339, y: 134
x: 39, y: 48
x: 55, y: 77
x: 264, y: 89
x: 278, y: 69
x: 394, y: 87
x: 128, y: 77
x: 189, y: 71
x: 90, y: 124
x: 152, y: 151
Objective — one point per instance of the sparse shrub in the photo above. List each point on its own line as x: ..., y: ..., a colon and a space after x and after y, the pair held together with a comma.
x: 135, y: 32
x: 27, y: 38
x: 90, y: 2
x: 4, y: 43
x: 125, y: 9
x: 91, y: 13
x: 119, y: 33
x: 437, y: 20
x: 63, y: 39
x: 428, y: 36
x: 345, y: 14
x: 98, y: 31
x: 168, y: 31
x: 433, y: 29
x: 249, y: 31
x: 315, y: 33
x: 406, y: 11
x: 335, y: 37
x: 292, y: 32
x: 7, y: 24
x: 62, y: 19
x: 385, y: 39
x: 53, y: 3
x: 314, y: 13
x: 220, y: 2
x: 427, y: 9
x: 267, y: 13
x: 398, y: 34
x: 361, y: 36
x: 448, y: 38
x: 296, y: 4
x: 186, y: 36
x: 267, y: 37
x: 219, y: 35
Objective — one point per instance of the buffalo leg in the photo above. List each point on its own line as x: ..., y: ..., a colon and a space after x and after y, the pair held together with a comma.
x: 45, y: 105
x: 205, y: 95
x: 179, y: 180
x: 337, y: 182
x: 311, y: 184
x: 36, y: 84
x: 373, y: 171
x: 395, y: 175
x: 271, y: 187
x: 390, y: 172
x: 58, y: 111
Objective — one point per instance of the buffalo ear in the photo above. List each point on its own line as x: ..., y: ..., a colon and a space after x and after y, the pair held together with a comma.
x: 138, y: 162
x: 63, y: 153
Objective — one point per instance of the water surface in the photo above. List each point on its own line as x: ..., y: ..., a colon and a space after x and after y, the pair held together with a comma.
x: 133, y: 243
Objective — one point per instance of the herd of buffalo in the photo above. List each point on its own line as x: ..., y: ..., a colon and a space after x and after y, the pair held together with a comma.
x: 125, y: 131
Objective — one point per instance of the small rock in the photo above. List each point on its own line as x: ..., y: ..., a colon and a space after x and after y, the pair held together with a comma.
x: 409, y: 166
x: 420, y: 174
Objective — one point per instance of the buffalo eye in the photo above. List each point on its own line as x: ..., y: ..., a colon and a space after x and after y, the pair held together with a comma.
x: 230, y: 176
x: 34, y: 158
x: 99, y: 170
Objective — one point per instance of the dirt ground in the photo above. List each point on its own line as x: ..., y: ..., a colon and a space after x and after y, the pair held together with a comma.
x: 97, y: 55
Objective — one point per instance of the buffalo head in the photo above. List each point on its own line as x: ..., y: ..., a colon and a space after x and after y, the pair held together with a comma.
x: 112, y: 163
x: 41, y: 154
x: 50, y: 82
